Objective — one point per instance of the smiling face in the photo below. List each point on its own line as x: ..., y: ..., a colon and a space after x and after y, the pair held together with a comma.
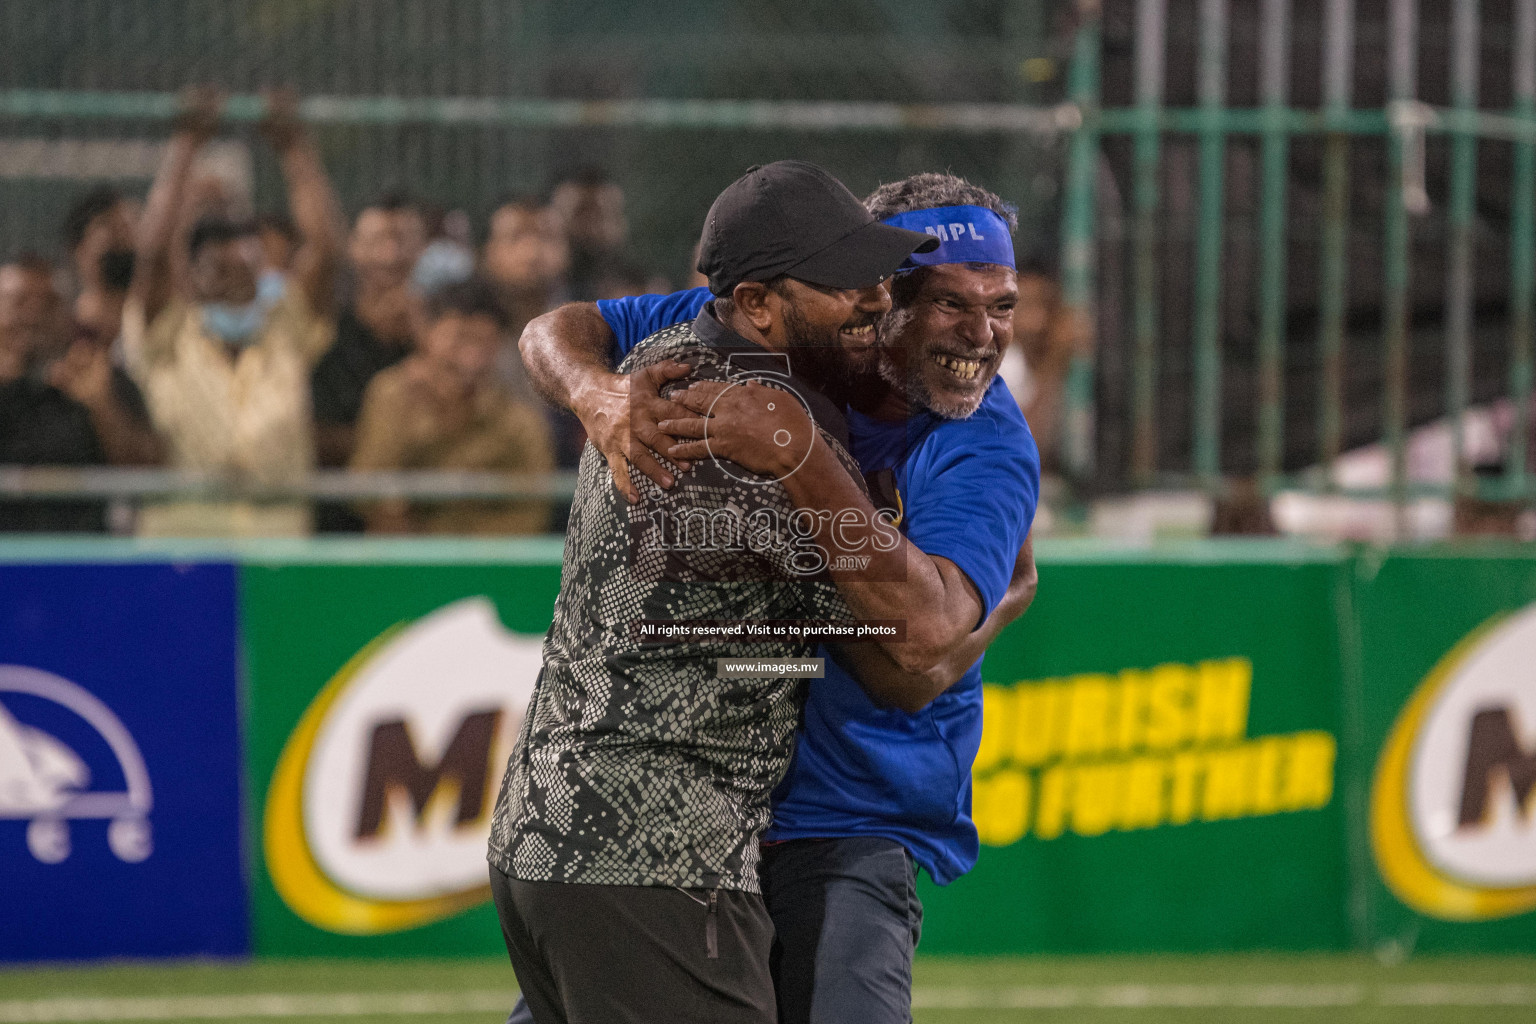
x: 946, y: 334
x: 833, y: 332
x: 385, y: 245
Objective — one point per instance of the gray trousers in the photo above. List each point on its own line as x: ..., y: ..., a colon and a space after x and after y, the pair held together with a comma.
x: 847, y: 920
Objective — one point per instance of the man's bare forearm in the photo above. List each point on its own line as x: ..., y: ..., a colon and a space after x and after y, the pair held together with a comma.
x: 898, y: 580
x: 1015, y: 602
x: 152, y: 280
x: 567, y: 352
x: 886, y: 681
x: 317, y: 217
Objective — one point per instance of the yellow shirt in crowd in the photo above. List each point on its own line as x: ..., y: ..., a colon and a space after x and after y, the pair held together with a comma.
x: 246, y: 416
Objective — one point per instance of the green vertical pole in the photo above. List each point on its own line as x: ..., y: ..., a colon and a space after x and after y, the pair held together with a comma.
x: 1208, y: 269
x: 1276, y: 60
x: 1458, y: 289
x: 1338, y: 70
x: 1522, y: 246
x: 1077, y: 239
x: 1151, y: 32
x: 1401, y: 67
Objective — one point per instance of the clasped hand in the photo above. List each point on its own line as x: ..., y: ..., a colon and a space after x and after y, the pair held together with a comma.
x: 763, y: 429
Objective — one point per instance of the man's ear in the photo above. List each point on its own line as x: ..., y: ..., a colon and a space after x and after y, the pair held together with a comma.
x: 753, y: 299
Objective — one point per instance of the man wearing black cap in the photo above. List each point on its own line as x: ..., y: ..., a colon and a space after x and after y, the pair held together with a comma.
x: 625, y: 840
x: 875, y: 789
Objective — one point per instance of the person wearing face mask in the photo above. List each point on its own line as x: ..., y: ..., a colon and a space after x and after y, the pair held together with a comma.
x: 446, y: 408
x: 223, y: 353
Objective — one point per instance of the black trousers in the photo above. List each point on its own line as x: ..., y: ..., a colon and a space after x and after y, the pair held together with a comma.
x: 621, y: 954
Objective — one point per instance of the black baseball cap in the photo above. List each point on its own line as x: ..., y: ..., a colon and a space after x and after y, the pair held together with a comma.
x: 791, y: 217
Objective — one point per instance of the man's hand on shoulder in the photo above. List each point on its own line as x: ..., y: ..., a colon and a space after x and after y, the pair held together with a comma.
x: 622, y: 413
x: 760, y: 428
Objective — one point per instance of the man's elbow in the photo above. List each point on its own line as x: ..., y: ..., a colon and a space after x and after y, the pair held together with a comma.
x: 912, y: 700
x: 530, y: 342
x: 926, y: 645
x: 917, y: 657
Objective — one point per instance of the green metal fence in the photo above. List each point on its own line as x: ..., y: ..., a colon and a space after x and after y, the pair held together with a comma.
x: 466, y: 101
x: 1328, y: 236
x: 1442, y: 203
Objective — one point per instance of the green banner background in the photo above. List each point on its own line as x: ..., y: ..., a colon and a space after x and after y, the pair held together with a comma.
x: 1413, y: 608
x: 1337, y: 640
x: 302, y: 624
x: 1264, y: 882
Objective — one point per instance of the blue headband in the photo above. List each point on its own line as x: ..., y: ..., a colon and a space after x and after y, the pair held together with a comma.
x: 966, y: 234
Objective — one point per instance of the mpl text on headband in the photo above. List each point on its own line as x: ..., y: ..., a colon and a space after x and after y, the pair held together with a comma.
x: 966, y: 234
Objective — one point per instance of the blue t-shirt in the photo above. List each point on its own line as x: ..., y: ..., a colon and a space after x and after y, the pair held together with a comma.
x: 636, y: 317
x: 968, y: 491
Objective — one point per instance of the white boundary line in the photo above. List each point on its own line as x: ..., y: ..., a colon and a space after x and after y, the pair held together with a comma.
x: 279, y: 1005
x: 259, y: 1004
x: 1138, y: 997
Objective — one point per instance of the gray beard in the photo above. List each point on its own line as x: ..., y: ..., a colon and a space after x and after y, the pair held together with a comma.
x: 919, y: 397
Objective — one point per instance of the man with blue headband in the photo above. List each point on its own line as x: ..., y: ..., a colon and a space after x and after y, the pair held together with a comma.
x: 873, y: 792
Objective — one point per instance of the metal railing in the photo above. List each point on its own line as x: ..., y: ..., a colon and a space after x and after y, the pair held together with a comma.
x: 48, y: 483
x: 1403, y: 124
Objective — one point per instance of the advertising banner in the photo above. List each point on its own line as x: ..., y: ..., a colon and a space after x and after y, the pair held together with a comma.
x: 1225, y: 748
x: 1449, y: 711
x: 383, y: 703
x: 1158, y: 766
x: 119, y: 763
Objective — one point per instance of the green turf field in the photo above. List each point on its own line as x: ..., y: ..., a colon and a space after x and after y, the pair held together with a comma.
x: 1253, y: 989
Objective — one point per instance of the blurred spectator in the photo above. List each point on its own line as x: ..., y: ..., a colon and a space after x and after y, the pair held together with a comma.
x: 224, y: 357
x: 449, y: 257
x: 32, y: 321
x: 38, y: 341
x: 375, y: 328
x: 39, y: 425
x: 621, y: 279
x: 591, y: 209
x: 445, y: 408
x: 279, y: 242
x: 98, y: 231
x: 1045, y: 336
x: 525, y: 259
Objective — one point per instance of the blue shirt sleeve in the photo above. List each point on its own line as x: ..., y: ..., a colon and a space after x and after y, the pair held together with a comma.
x: 972, y: 499
x: 636, y: 317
